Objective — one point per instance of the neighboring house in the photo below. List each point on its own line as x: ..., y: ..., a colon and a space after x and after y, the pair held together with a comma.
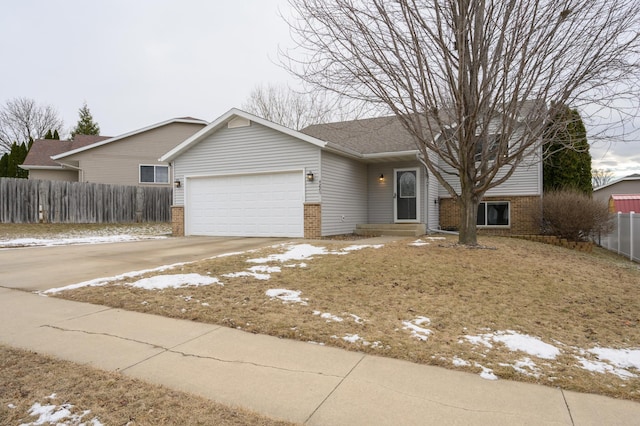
x: 128, y: 159
x: 627, y: 185
x: 245, y: 176
x: 624, y: 203
x: 42, y: 167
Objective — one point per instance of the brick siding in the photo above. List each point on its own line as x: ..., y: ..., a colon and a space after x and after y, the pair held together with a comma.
x: 522, y: 211
x: 312, y: 220
x: 177, y: 221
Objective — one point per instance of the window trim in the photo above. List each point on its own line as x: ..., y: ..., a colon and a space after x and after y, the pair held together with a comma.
x: 155, y: 174
x: 486, y: 203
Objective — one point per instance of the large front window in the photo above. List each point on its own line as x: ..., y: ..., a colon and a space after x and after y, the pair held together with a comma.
x: 493, y: 213
x: 154, y: 174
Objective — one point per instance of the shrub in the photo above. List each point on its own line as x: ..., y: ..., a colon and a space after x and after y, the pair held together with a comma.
x: 574, y: 215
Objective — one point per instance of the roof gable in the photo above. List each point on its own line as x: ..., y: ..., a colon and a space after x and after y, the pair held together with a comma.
x: 235, y: 116
x: 43, y: 149
x: 188, y: 120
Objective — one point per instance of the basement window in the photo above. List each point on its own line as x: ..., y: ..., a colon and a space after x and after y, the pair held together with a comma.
x: 154, y: 174
x: 493, y: 213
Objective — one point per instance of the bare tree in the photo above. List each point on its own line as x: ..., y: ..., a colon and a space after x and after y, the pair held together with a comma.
x: 601, y: 177
x: 21, y: 119
x: 293, y: 109
x: 473, y: 81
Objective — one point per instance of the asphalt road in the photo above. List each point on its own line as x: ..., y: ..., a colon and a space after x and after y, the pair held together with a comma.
x: 42, y: 268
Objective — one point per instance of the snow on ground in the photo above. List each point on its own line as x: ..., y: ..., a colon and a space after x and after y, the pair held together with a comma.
x: 418, y: 332
x: 517, y: 342
x: 623, y: 358
x: 328, y: 316
x: 63, y: 241
x: 287, y: 296
x: 58, y: 415
x: 306, y: 252
x: 258, y: 272
x: 161, y: 282
x: 419, y: 243
x: 362, y: 246
x: 614, y: 361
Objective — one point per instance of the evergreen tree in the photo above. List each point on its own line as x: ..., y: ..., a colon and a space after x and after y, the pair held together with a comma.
x: 56, y: 135
x: 4, y: 165
x: 11, y: 160
x: 49, y: 135
x: 86, y: 125
x: 567, y: 163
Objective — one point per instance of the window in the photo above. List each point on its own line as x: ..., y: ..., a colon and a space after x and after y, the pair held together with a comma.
x: 493, y: 213
x: 494, y: 145
x: 154, y: 174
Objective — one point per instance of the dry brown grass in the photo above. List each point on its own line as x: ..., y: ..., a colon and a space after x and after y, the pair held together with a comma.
x: 27, y: 378
x: 55, y: 230
x: 569, y: 299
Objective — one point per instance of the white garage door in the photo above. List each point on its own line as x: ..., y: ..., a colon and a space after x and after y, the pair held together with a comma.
x: 256, y: 205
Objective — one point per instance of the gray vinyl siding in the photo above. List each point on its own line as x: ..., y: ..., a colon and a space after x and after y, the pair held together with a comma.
x: 432, y: 202
x: 380, y: 203
x: 344, y: 194
x: 251, y: 149
x: 119, y: 162
x: 526, y: 180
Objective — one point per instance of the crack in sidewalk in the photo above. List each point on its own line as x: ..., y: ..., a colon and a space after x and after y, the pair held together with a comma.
x: 186, y: 354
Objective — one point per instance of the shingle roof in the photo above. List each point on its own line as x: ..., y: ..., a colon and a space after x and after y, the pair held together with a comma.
x: 367, y: 136
x: 624, y: 203
x: 42, y: 149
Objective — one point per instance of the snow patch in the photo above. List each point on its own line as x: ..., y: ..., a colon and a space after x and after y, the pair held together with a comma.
x: 161, y: 282
x: 56, y: 415
x: 287, y: 296
x: 65, y: 241
x: 458, y: 362
x: 418, y: 332
x: 603, y: 367
x: 362, y: 246
x: 328, y: 316
x: 419, y: 243
x: 294, y: 252
x: 622, y: 358
x: 515, y: 341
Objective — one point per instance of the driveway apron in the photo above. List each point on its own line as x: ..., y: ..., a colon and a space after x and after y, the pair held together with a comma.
x: 42, y: 268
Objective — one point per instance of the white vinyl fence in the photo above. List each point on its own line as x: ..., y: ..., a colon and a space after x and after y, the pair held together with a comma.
x: 625, y: 239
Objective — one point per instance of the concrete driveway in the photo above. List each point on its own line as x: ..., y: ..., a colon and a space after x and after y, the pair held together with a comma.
x: 42, y: 268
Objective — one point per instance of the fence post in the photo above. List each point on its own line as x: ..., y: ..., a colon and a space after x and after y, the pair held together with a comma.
x: 618, y: 230
x: 631, y: 235
x: 139, y: 203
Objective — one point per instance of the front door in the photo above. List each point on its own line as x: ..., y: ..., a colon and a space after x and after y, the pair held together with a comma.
x: 406, y: 195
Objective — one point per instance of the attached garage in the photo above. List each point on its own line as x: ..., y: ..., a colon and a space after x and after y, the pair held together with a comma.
x: 269, y: 204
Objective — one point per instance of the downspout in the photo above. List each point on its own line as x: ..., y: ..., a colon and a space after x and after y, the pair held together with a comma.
x: 431, y: 230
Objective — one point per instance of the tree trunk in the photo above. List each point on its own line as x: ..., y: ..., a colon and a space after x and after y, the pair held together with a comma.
x: 468, y: 218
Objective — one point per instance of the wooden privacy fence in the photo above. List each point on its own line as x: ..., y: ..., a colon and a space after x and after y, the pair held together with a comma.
x: 30, y: 201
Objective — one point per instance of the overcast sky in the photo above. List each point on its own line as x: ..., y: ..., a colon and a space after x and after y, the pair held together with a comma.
x: 139, y: 62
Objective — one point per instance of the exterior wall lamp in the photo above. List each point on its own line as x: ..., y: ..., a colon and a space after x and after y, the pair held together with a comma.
x: 177, y: 183
x: 310, y: 176
x: 381, y: 178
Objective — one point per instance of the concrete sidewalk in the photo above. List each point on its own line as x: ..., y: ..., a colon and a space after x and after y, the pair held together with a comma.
x: 286, y: 379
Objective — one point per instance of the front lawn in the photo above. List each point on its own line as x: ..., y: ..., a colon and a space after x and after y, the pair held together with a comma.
x: 514, y: 310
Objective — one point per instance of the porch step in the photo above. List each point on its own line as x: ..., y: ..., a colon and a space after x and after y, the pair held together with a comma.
x: 396, y: 229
